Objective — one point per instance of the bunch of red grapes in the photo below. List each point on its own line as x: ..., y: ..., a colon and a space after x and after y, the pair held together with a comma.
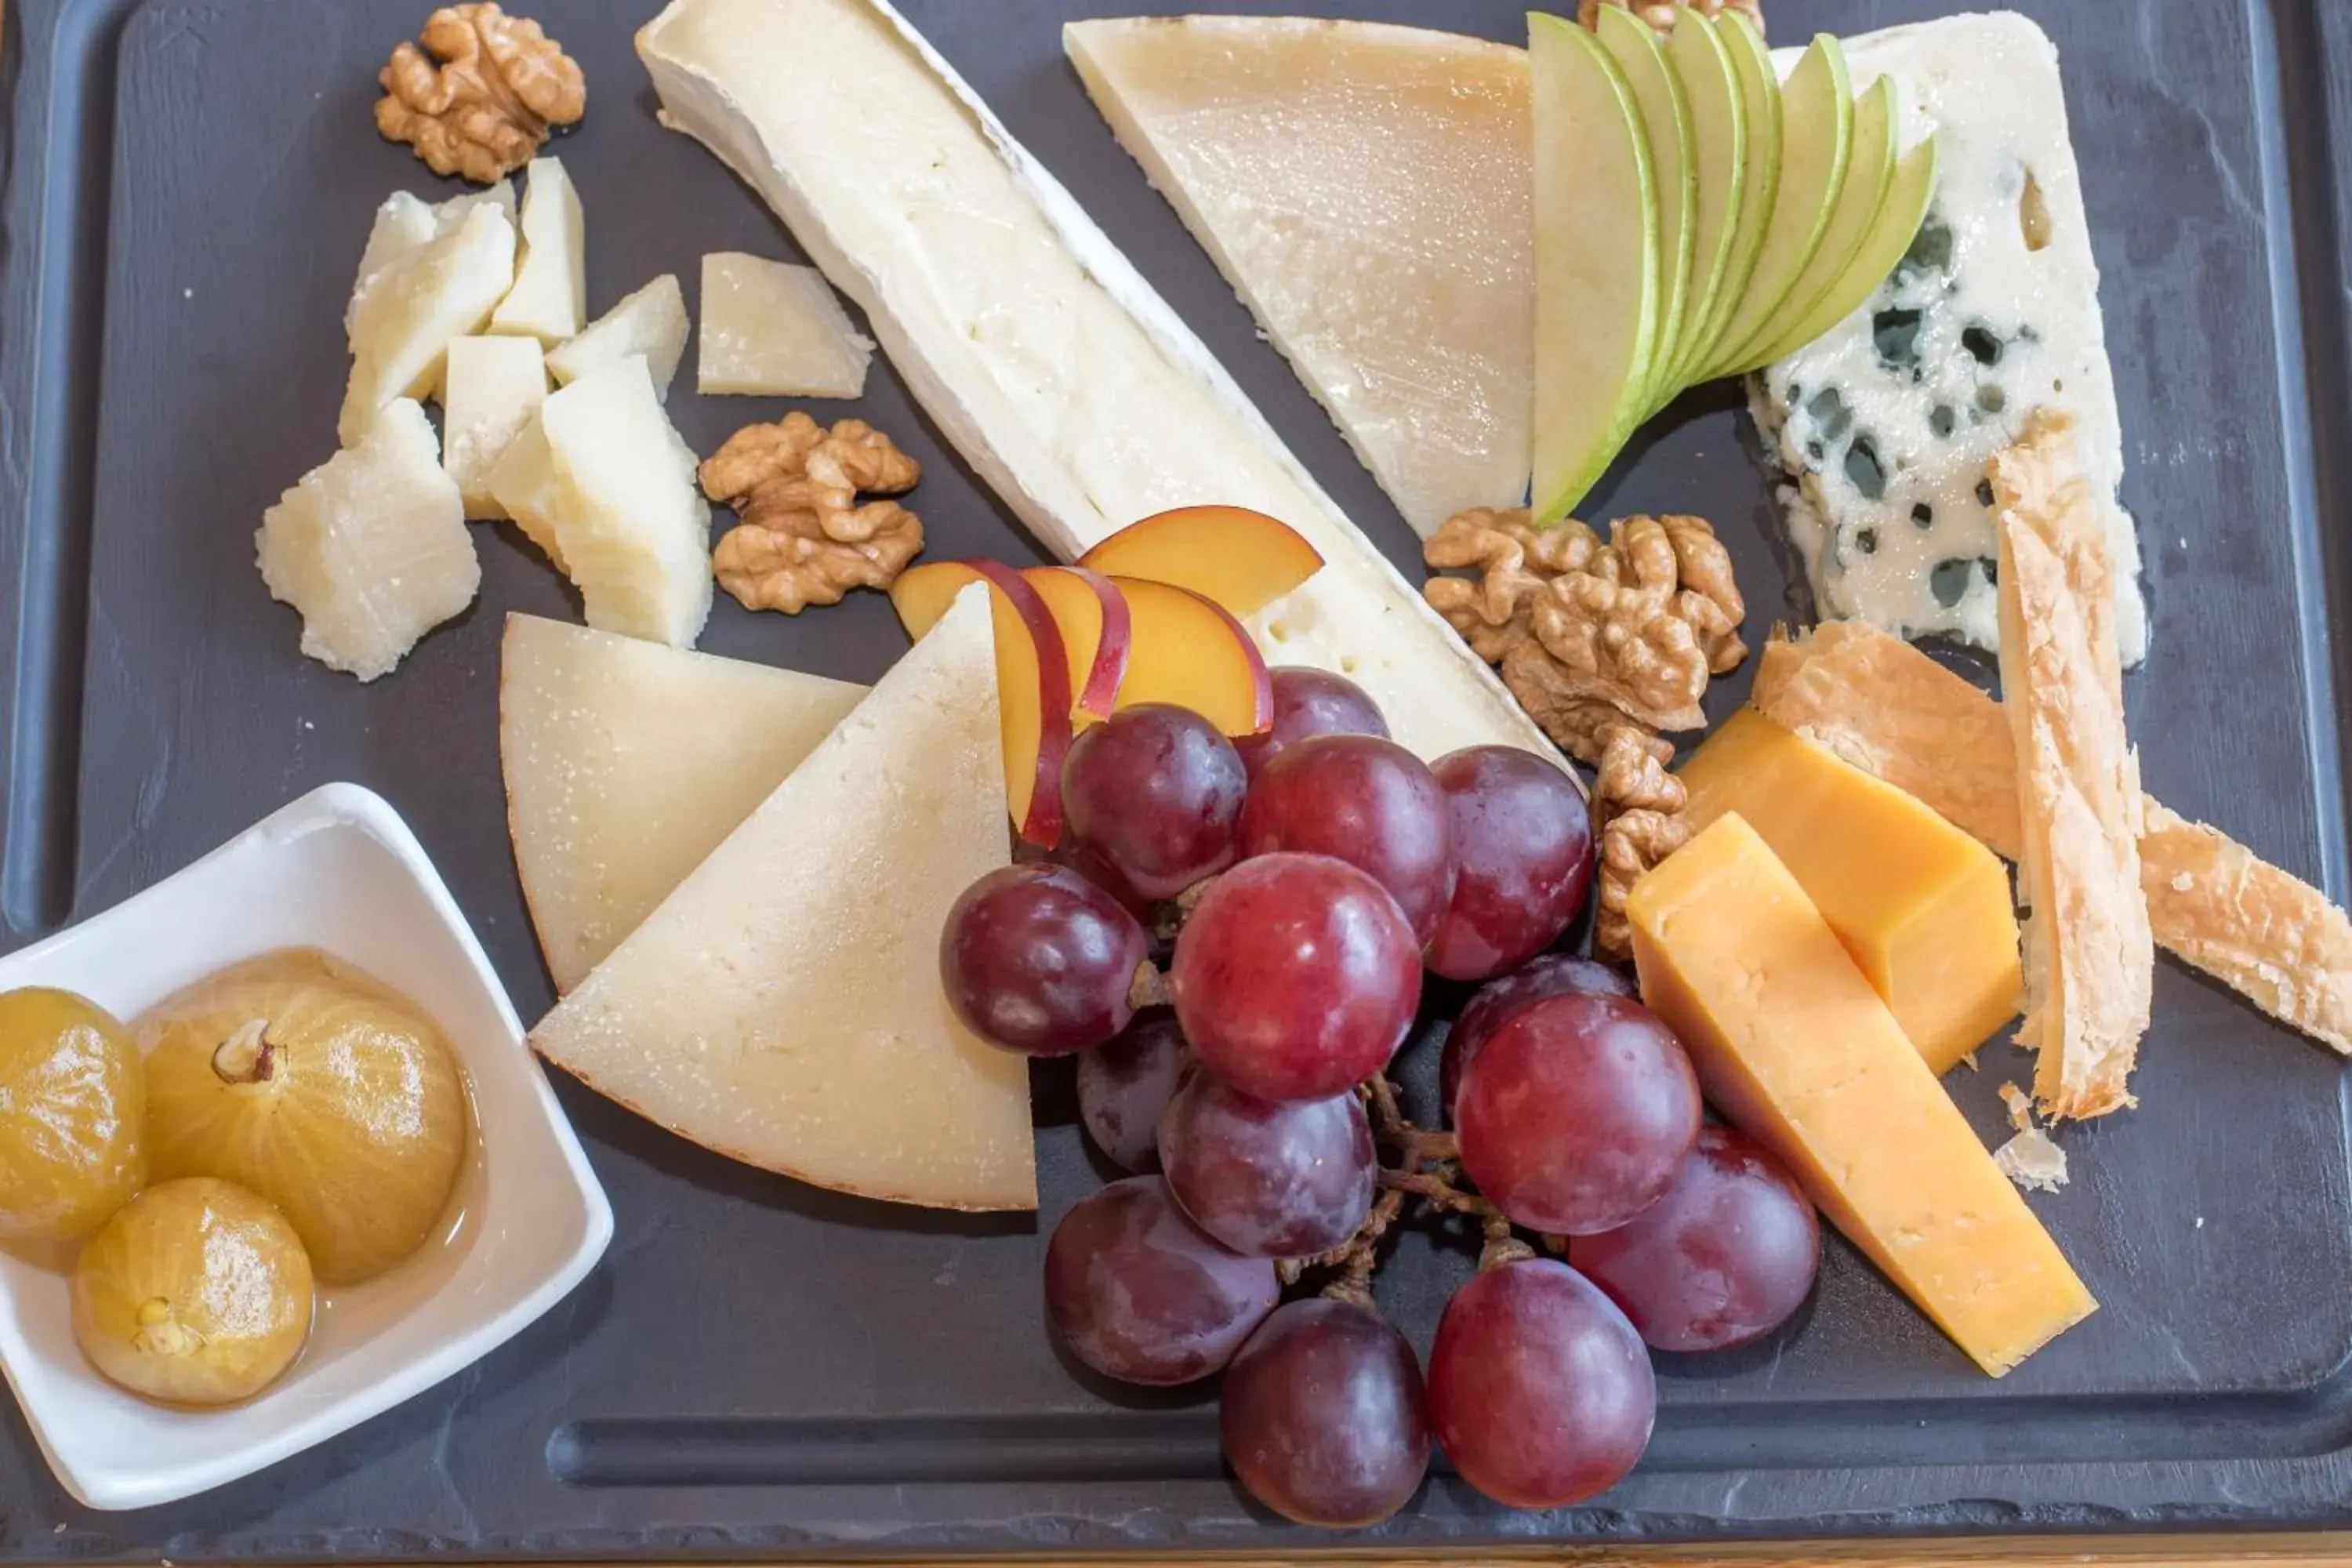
x: 1320, y: 871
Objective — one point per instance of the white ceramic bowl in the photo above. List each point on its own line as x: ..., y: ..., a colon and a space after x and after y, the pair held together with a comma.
x: 337, y: 869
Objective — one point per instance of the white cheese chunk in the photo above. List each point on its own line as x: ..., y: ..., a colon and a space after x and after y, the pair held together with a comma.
x: 1887, y: 423
x: 405, y: 223
x: 774, y: 330
x: 490, y: 388
x: 627, y: 763
x: 650, y: 322
x: 1044, y: 357
x: 549, y: 297
x: 631, y: 522
x: 522, y: 485
x: 404, y: 315
x: 782, y: 1005
x: 371, y: 546
x: 1365, y: 189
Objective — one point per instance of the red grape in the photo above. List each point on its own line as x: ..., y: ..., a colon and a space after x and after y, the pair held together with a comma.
x: 1036, y: 959
x: 1364, y: 800
x: 1523, y: 843
x: 1138, y: 1293
x: 1546, y: 975
x: 1539, y: 1388
x: 1324, y: 1417
x: 1295, y: 977
x: 1723, y: 1258
x: 1575, y: 1113
x: 1310, y: 702
x: 1124, y: 1084
x: 1269, y: 1178
x: 1069, y: 852
x: 1153, y: 790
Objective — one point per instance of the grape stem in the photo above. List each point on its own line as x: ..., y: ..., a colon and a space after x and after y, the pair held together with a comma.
x: 247, y: 1056
x: 1149, y: 988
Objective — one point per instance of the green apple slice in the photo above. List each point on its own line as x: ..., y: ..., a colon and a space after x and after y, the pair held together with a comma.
x: 1666, y: 120
x: 1759, y: 183
x: 1596, y: 261
x: 1897, y: 225
x: 1718, y: 115
x: 1869, y: 171
x: 1816, y: 144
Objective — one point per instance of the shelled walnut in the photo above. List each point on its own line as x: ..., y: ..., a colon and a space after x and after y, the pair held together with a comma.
x: 1660, y: 13
x: 1589, y: 633
x: 478, y: 98
x: 1640, y: 810
x: 803, y: 538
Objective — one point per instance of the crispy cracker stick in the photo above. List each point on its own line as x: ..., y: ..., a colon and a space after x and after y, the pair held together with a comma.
x: 1881, y: 704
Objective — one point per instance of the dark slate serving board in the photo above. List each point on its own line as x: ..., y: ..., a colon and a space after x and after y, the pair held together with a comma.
x: 760, y: 1368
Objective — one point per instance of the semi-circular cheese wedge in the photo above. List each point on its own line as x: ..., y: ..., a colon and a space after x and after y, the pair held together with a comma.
x: 782, y: 1006
x: 627, y: 763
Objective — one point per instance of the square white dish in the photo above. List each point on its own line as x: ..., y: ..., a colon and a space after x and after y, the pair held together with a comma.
x: 336, y: 870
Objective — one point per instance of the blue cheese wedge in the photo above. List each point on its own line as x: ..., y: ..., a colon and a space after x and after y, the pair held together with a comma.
x: 1885, y: 426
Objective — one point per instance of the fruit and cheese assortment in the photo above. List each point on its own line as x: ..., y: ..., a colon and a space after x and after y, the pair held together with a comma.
x: 285, y: 1123
x: 1207, y: 807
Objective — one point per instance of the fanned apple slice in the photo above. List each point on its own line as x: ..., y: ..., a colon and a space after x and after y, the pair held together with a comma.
x: 1897, y: 225
x: 1720, y: 151
x: 1032, y: 678
x: 1666, y: 120
x: 1191, y: 651
x: 1097, y: 632
x: 1242, y: 560
x: 1758, y: 87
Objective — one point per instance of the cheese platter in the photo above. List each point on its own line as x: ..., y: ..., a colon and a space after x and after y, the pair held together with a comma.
x: 1237, y: 551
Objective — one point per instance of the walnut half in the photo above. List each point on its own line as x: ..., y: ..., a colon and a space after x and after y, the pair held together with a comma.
x: 478, y: 98
x: 1661, y: 13
x: 1641, y: 811
x: 804, y: 538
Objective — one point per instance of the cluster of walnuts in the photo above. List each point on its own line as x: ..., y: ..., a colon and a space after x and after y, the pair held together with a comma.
x: 477, y: 100
x: 1661, y: 13
x: 802, y: 537
x: 1605, y: 643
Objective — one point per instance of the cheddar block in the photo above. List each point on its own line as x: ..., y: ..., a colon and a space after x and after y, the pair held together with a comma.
x: 782, y: 1006
x: 1881, y: 704
x: 2089, y: 957
x: 1921, y: 908
x: 1794, y: 1044
x: 627, y: 763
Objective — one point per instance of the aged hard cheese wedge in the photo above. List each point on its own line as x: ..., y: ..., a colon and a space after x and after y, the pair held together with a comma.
x: 549, y: 297
x: 651, y: 323
x: 781, y: 1005
x: 1795, y: 1047
x: 490, y: 389
x: 406, y: 223
x: 371, y: 546
x: 1364, y: 188
x: 774, y: 330
x: 1921, y: 908
x: 1041, y: 352
x: 2089, y: 957
x: 627, y: 763
x: 403, y: 317
x: 1889, y: 709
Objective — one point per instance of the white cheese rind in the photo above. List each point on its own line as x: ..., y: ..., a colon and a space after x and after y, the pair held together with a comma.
x: 1048, y: 362
x: 1900, y: 534
x: 627, y: 762
x: 782, y: 1005
x: 651, y: 323
x: 371, y: 546
x: 774, y: 330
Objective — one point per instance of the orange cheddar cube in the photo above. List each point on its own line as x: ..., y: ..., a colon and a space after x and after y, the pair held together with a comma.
x: 1924, y: 909
x: 1795, y: 1046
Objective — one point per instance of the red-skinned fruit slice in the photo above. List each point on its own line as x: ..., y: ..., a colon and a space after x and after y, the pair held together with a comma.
x: 1240, y: 559
x: 1097, y: 633
x: 1190, y: 651
x: 1033, y: 680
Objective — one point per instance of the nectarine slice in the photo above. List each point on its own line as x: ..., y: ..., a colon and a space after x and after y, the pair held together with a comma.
x: 1096, y: 632
x: 1240, y: 559
x: 1189, y: 650
x: 1033, y: 680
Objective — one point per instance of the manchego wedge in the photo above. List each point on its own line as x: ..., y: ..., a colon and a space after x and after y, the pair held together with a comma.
x: 652, y: 322
x: 403, y: 317
x: 627, y: 763
x: 371, y: 546
x: 782, y: 1005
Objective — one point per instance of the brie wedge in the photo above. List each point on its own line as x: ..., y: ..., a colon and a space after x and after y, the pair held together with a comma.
x: 1042, y: 353
x: 781, y: 1005
x: 1364, y: 188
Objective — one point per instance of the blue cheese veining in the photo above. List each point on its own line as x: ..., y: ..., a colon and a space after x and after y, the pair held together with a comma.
x: 1884, y: 425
